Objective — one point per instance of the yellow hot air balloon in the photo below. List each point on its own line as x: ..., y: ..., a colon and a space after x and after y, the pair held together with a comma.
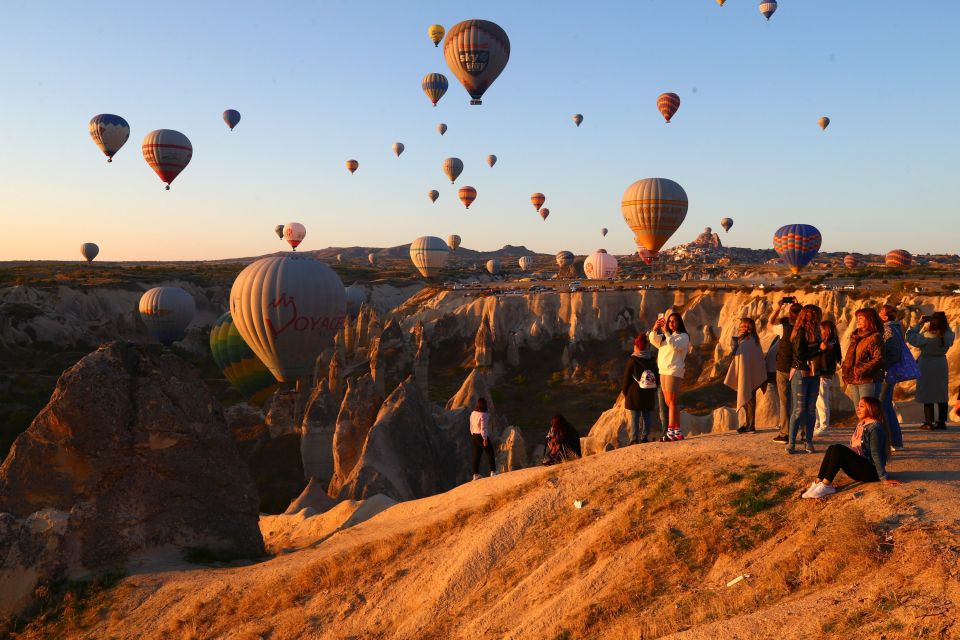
x: 476, y: 52
x: 654, y: 209
x: 435, y: 31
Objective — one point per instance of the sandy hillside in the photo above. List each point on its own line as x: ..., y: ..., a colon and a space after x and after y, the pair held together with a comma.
x: 665, y: 529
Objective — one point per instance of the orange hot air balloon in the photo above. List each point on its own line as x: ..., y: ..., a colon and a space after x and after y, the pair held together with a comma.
x: 824, y: 122
x: 668, y: 103
x: 537, y: 200
x: 898, y: 258
x: 654, y: 208
x: 476, y: 52
x: 352, y: 165
x: 544, y: 212
x: 852, y: 262
x: 467, y: 195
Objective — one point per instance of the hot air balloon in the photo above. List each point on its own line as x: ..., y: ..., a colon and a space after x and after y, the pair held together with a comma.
x: 654, y: 208
x: 398, y: 148
x: 435, y: 31
x: 352, y: 165
x: 544, y: 212
x: 453, y: 167
x: 577, y: 119
x: 476, y: 52
x: 89, y: 251
x: 720, y: 2
x: 371, y: 259
x: 824, y: 122
x: 339, y: 258
x: 768, y: 7
x: 600, y: 265
x: 442, y: 128
x: 726, y: 223
x: 491, y: 160
x: 852, y: 262
x: 288, y: 309
x: 467, y: 195
x: 168, y: 152
x: 898, y: 258
x: 239, y: 364
x: 603, y: 232
x: 429, y: 254
x: 231, y: 117
x: 797, y: 244
x: 668, y: 103
x: 525, y: 263
x: 279, y: 231
x: 453, y: 241
x: 356, y: 297
x: 434, y: 85
x: 167, y: 311
x: 564, y: 259
x: 109, y: 132
x: 294, y: 233
x: 493, y: 266
x: 433, y: 195
x: 537, y: 200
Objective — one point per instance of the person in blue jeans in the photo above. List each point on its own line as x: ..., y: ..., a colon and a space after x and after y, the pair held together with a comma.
x: 892, y: 352
x: 640, y: 388
x: 804, y: 377
x: 863, y: 363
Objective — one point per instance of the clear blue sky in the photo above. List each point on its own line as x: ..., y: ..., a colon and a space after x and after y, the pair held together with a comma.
x: 320, y: 82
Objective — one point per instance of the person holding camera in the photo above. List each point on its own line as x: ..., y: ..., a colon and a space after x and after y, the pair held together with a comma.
x: 747, y: 373
x: 639, y: 388
x: 863, y: 365
x: 783, y: 326
x: 670, y: 338
x: 932, y: 387
x: 804, y: 379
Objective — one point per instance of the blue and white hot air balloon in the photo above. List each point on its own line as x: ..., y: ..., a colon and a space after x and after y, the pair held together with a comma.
x: 167, y: 311
x: 110, y: 132
x: 429, y: 254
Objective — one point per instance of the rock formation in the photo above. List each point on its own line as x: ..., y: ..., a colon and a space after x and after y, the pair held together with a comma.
x: 421, y: 358
x: 131, y: 454
x: 358, y: 412
x: 483, y: 346
x: 512, y: 451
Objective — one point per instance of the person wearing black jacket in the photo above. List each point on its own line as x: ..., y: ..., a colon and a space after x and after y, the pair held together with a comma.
x: 640, y: 402
x: 829, y: 360
x: 784, y: 328
x: 804, y: 381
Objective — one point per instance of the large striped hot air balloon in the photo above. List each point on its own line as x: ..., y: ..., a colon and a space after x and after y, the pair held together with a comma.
x: 434, y: 85
x: 493, y: 266
x: 429, y: 254
x: 288, y: 309
x: 356, y: 297
x: 654, y: 208
x: 767, y: 8
x: 109, y: 132
x: 544, y: 213
x: 852, y: 262
x: 898, y: 258
x: 467, y: 195
x: 577, y: 119
x: 352, y: 165
x: 453, y: 167
x: 600, y: 265
x: 89, y: 251
x: 231, y: 117
x: 564, y: 259
x: 537, y: 200
x: 167, y: 312
x: 726, y: 223
x: 476, y: 52
x: 239, y: 364
x: 168, y: 152
x: 294, y: 233
x: 525, y: 263
x: 668, y: 103
x: 453, y: 241
x: 797, y: 245
x: 435, y: 32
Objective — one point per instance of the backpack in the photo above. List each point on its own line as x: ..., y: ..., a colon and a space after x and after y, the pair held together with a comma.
x: 648, y: 380
x: 906, y: 368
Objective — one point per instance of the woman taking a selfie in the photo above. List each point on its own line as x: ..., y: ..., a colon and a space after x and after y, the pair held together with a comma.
x: 933, y: 342
x: 670, y: 338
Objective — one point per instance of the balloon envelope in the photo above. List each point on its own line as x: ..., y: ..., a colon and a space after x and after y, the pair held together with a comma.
x: 435, y: 32
x: 239, y: 364
x: 371, y: 259
x: 525, y: 263
x: 491, y: 160
x: 654, y: 208
x: 442, y: 128
x: 726, y: 223
x: 544, y: 212
x: 577, y: 119
x: 89, y: 251
x: 352, y: 165
x: 824, y: 122
x: 467, y: 195
x: 433, y: 195
x: 564, y: 259
x: 600, y: 265
x: 294, y: 233
x: 493, y: 266
x: 852, y: 262
x: 398, y: 148
x: 453, y: 167
x: 279, y: 231
x: 668, y: 103
x: 429, y: 254
x: 898, y: 258
x: 167, y: 311
x: 231, y: 117
x: 288, y: 309
x: 768, y: 7
x: 109, y: 132
x: 356, y: 297
x: 797, y: 245
x: 434, y: 85
x: 603, y: 232
x: 476, y: 52
x: 537, y: 200
x: 453, y: 241
x: 168, y: 152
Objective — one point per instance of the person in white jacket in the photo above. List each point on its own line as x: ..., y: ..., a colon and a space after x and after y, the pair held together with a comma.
x: 670, y: 338
x: 480, y: 437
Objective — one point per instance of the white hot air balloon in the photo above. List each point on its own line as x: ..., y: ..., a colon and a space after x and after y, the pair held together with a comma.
x: 526, y: 262
x: 288, y: 309
x: 429, y: 254
x: 493, y: 266
x: 294, y: 233
x: 453, y: 241
x: 372, y: 259
x: 167, y: 312
x: 600, y: 266
x: 356, y: 297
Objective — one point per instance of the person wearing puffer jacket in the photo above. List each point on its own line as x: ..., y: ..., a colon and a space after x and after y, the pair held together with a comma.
x: 670, y: 338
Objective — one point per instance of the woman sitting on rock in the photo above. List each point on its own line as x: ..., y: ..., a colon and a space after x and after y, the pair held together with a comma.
x: 563, y: 441
x: 670, y: 338
x: 480, y: 435
x: 747, y: 373
x: 864, y: 460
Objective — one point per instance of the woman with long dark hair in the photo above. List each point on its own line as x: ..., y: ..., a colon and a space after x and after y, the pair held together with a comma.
x: 639, y: 388
x: 670, y: 338
x: 563, y: 441
x: 932, y: 386
x: 864, y: 460
x: 830, y: 357
x: 804, y: 380
x: 480, y: 436
x: 863, y: 365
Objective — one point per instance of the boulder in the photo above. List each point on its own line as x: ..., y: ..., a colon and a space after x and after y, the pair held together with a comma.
x: 131, y: 454
x: 358, y: 412
x: 611, y: 430
x: 474, y: 387
x: 512, y: 451
x: 313, y: 497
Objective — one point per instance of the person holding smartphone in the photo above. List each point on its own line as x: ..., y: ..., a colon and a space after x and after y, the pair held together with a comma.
x: 934, y: 338
x: 783, y: 327
x: 747, y: 373
x: 670, y: 338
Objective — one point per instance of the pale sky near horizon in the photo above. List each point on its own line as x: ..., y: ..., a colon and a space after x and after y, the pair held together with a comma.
x: 320, y: 82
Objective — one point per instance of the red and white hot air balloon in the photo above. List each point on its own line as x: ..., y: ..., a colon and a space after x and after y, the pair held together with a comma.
x: 294, y: 233
x: 168, y: 152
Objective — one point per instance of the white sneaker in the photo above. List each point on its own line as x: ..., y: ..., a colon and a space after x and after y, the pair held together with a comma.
x: 493, y: 473
x: 821, y: 491
x: 819, y: 430
x: 806, y: 494
x: 476, y: 476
